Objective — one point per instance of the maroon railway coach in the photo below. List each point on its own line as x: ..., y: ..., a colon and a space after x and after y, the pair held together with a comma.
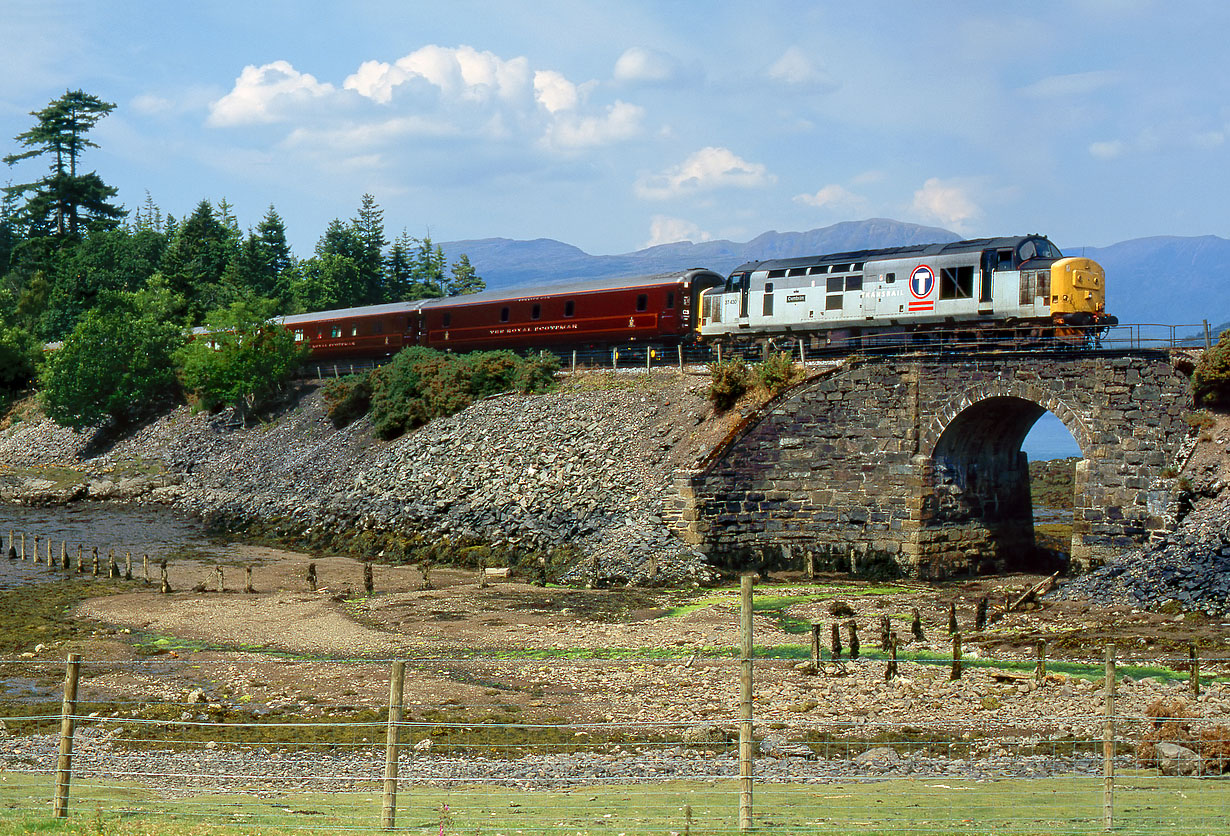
x: 597, y: 312
x: 658, y: 309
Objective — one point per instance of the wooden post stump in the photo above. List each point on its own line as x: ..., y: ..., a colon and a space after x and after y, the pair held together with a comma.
x: 247, y: 580
x: 916, y: 627
x: 885, y: 633
x: 956, y: 656
x: 1040, y: 667
x: 221, y: 578
x: 113, y: 568
x: 952, y: 618
x: 815, y: 644
x: 980, y: 615
x: 369, y: 581
x: 311, y: 577
x: 853, y: 639
x: 65, y: 563
x: 94, y: 560
x: 1194, y: 680
x: 127, y: 566
x: 835, y: 641
x: 165, y: 584
x: 890, y: 671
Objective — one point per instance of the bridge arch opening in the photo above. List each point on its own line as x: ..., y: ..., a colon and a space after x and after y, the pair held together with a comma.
x: 981, y: 495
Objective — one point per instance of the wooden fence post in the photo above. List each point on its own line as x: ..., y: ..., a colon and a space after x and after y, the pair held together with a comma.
x: 746, y: 743
x: 68, y: 721
x: 1194, y: 680
x: 388, y: 814
x: 680, y: 347
x: 956, y: 656
x: 1108, y: 743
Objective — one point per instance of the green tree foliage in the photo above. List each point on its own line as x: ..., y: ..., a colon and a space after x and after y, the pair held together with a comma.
x: 19, y: 354
x: 245, y: 360
x: 368, y: 229
x: 421, y: 384
x: 64, y: 202
x: 465, y: 278
x: 101, y: 262
x: 323, y: 282
x: 200, y: 260
x: 115, y: 366
x: 1211, y: 377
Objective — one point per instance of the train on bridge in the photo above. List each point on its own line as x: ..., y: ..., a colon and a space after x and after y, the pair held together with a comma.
x: 1014, y: 289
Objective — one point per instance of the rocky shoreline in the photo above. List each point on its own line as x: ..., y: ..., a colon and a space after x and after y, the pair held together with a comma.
x: 569, y: 486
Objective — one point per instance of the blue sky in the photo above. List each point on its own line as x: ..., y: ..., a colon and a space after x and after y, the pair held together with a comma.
x: 614, y: 125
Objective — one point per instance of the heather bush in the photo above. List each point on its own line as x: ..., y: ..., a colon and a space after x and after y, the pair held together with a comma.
x: 776, y: 373
x: 1211, y: 378
x: 348, y: 398
x: 729, y: 381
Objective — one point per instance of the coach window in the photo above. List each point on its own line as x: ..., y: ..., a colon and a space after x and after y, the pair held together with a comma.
x: 670, y: 300
x: 642, y: 302
x: 336, y: 331
x: 354, y: 330
x: 570, y: 308
x: 504, y: 314
x: 536, y: 312
x: 378, y: 327
x: 298, y: 335
x: 447, y: 319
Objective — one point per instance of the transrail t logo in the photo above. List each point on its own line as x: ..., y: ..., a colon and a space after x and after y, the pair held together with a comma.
x: 922, y: 282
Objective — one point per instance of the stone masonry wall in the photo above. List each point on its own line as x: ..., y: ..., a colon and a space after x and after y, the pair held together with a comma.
x: 863, y: 466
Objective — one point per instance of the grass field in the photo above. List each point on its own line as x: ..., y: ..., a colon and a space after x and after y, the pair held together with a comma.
x: 1144, y: 804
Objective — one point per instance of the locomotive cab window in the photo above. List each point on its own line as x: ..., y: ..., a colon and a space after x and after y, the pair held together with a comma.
x: 642, y: 302
x: 854, y: 282
x: 504, y: 314
x: 570, y: 308
x: 835, y: 284
x: 889, y: 278
x: 536, y: 312
x: 832, y: 303
x: 670, y: 301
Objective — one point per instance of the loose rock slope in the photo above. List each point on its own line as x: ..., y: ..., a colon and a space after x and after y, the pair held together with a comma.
x: 587, y: 467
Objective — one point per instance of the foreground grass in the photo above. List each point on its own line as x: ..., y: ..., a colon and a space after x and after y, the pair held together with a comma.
x: 1144, y: 804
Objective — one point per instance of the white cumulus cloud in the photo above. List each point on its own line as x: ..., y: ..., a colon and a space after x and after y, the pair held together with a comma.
x: 638, y: 64
x: 667, y: 230
x: 832, y: 196
x: 457, y: 73
x: 555, y: 92
x: 948, y: 202
x: 621, y: 121
x: 709, y: 168
x: 266, y: 94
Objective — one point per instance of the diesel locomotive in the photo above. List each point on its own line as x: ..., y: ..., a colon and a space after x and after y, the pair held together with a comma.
x: 1018, y: 287
x: 1015, y: 289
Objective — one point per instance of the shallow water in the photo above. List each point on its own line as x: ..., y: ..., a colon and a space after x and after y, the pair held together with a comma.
x: 155, y: 531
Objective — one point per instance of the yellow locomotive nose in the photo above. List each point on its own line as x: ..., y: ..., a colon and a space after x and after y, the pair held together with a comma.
x: 1078, y: 285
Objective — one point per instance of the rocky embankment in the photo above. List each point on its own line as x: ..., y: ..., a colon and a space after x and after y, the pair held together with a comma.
x: 577, y: 476
x: 1189, y: 569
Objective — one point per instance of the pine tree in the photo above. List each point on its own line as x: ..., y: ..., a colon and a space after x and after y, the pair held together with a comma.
x: 465, y: 278
x: 368, y: 229
x: 65, y: 202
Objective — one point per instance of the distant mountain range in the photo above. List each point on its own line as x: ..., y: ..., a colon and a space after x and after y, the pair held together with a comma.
x: 1172, y: 280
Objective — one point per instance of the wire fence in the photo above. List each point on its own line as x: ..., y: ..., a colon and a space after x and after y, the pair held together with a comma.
x: 491, y: 745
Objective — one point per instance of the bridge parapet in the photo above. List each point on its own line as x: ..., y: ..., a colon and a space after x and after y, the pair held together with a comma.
x: 915, y: 465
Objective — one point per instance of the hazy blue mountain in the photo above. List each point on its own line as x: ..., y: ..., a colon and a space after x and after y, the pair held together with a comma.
x: 1166, y: 279
x: 1173, y: 280
x: 505, y: 263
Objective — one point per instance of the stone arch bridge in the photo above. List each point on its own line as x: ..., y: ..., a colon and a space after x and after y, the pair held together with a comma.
x: 915, y: 464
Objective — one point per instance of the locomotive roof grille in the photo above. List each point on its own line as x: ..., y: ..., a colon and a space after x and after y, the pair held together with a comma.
x: 858, y: 257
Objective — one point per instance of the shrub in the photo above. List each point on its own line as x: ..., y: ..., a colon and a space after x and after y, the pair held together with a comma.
x: 729, y: 381
x: 19, y: 352
x: 777, y: 373
x: 1201, y: 420
x: 347, y: 399
x: 1211, y: 378
x: 421, y: 384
